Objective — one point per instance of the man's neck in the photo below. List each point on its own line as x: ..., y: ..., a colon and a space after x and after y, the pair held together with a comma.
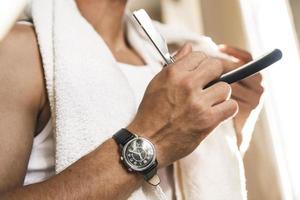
x: 106, y: 16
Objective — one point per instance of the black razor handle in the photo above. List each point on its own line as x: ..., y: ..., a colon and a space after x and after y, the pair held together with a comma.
x: 250, y: 68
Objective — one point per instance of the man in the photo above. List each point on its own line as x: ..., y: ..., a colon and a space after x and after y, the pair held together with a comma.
x: 175, y: 105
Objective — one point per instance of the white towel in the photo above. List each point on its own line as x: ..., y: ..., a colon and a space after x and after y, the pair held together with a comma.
x: 91, y: 99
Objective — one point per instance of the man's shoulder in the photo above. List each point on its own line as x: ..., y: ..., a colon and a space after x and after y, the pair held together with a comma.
x: 20, y: 39
x: 20, y: 64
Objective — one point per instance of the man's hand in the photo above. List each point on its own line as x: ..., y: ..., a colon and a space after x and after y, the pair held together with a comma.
x: 176, y: 112
x: 247, y: 92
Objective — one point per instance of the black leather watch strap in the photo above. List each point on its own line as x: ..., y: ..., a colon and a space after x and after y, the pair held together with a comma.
x: 123, y: 136
x: 150, y: 172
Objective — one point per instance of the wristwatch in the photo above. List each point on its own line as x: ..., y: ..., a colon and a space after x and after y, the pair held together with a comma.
x: 138, y: 155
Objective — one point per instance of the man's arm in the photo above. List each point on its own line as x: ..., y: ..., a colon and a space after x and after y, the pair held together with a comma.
x: 173, y: 107
x: 21, y: 88
x: 99, y: 175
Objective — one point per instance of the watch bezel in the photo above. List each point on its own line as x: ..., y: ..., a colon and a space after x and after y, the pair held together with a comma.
x: 134, y: 167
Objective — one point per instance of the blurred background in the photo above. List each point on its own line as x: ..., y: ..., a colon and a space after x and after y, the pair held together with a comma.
x: 272, y: 162
x: 271, y: 159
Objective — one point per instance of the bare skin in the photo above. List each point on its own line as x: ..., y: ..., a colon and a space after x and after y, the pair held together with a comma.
x: 24, y: 111
x: 247, y: 92
x: 191, y: 116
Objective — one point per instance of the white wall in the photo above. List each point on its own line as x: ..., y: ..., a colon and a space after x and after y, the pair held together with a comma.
x: 152, y: 6
x: 295, y: 7
x: 222, y: 21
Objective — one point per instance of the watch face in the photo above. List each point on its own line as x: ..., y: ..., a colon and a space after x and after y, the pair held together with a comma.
x: 139, y: 153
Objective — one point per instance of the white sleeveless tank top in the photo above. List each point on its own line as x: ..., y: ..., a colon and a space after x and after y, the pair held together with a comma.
x: 42, y: 159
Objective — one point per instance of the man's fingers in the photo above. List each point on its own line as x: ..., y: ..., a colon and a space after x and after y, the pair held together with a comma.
x: 236, y: 52
x: 217, y: 93
x: 190, y: 62
x: 225, y: 110
x: 253, y: 83
x: 185, y: 50
x: 209, y: 69
x: 244, y: 94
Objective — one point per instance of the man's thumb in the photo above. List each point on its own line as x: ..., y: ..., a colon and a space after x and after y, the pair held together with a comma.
x: 185, y: 50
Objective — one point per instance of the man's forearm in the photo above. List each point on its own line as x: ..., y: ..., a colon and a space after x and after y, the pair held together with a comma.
x: 99, y: 175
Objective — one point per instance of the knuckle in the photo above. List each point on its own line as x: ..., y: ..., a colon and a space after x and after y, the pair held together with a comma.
x: 187, y: 85
x: 171, y: 72
x: 225, y: 88
x: 215, y: 62
x: 194, y: 106
x: 261, y: 90
x: 198, y: 107
x: 231, y: 108
x: 216, y: 67
x: 201, y: 108
x: 199, y: 54
x: 228, y: 110
x: 208, y: 119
